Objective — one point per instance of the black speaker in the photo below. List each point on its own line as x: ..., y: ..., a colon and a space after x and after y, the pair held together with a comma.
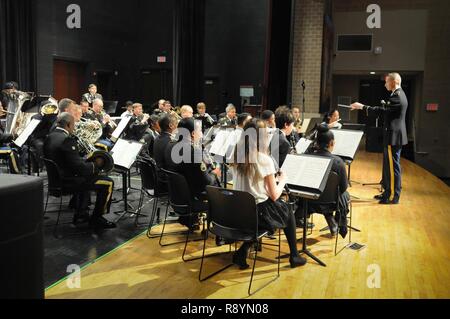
x: 374, y: 140
x: 21, y: 237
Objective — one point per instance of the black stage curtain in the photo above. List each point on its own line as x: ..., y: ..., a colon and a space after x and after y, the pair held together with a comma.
x: 277, y: 58
x: 17, y: 43
x: 189, y: 37
x: 327, y: 59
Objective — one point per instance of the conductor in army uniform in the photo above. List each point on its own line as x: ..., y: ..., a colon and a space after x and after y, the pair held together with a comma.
x: 394, y: 137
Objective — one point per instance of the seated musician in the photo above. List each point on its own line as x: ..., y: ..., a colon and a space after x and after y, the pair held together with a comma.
x: 106, y: 122
x: 186, y: 112
x: 128, y: 110
x: 296, y: 135
x: 243, y: 119
x: 332, y: 119
x: 154, y: 132
x: 87, y: 114
x: 138, y: 125
x: 230, y: 118
x: 207, y: 120
x: 269, y: 117
x: 280, y: 146
x: 324, y: 146
x: 168, y: 125
x: 36, y: 141
x: 91, y: 95
x: 161, y: 108
x: 190, y: 165
x: 62, y: 148
x: 8, y: 153
x: 255, y: 173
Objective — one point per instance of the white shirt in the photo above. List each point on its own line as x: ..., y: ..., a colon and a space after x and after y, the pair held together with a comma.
x: 126, y: 114
x: 255, y: 184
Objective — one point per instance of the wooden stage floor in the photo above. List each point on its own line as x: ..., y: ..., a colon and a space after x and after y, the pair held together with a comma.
x: 408, y: 243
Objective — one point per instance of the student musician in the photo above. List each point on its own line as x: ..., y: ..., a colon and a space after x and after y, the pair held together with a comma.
x: 324, y: 146
x: 332, y: 119
x: 255, y: 173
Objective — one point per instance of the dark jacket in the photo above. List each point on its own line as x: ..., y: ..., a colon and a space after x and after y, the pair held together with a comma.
x: 63, y: 150
x: 159, y: 149
x: 394, y: 118
x: 136, y: 129
x: 280, y: 152
x: 196, y: 178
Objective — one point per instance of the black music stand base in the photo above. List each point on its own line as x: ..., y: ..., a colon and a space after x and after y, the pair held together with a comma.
x: 125, y: 190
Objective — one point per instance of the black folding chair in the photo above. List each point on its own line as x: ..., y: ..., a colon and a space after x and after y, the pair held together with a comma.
x: 150, y: 188
x: 234, y: 215
x: 181, y: 201
x: 330, y: 197
x: 56, y: 188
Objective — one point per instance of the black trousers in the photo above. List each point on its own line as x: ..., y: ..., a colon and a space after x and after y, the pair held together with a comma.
x: 103, y: 186
x: 392, y: 172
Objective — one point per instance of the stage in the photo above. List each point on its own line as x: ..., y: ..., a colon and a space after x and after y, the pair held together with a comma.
x: 407, y: 243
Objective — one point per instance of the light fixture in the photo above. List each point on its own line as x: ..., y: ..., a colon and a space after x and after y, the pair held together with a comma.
x: 372, y: 73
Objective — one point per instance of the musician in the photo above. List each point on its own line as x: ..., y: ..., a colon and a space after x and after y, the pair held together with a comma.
x: 154, y: 133
x: 86, y: 112
x: 325, y: 143
x: 280, y: 146
x: 394, y: 137
x: 62, y: 148
x: 129, y: 110
x: 91, y: 95
x: 9, y: 88
x: 332, y: 119
x: 230, y: 119
x: 256, y: 174
x: 207, y: 120
x: 160, y: 108
x: 139, y: 126
x: 189, y: 166
x: 269, y: 117
x: 186, y: 112
x: 106, y: 122
x: 168, y: 125
x: 9, y: 153
x: 243, y: 119
x: 36, y: 141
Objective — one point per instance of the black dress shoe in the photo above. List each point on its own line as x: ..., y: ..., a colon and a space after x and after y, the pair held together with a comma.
x: 389, y: 202
x: 240, y: 260
x: 102, y: 223
x: 300, y: 224
x: 379, y: 197
x: 297, y: 261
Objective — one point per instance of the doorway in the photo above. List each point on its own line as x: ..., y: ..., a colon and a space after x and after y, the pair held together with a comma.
x: 156, y: 84
x: 68, y: 78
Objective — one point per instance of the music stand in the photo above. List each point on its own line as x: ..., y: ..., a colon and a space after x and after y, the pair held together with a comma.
x: 23, y: 138
x: 307, y: 181
x: 125, y: 154
x: 110, y: 107
x: 222, y: 147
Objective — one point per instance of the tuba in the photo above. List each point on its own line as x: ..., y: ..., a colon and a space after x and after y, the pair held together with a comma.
x: 15, y: 118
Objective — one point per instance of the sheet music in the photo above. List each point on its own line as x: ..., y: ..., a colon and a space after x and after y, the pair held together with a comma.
x: 302, y: 145
x: 305, y: 125
x: 125, y: 152
x: 222, y: 142
x: 305, y: 171
x: 347, y: 142
x: 119, y: 130
x: 29, y: 129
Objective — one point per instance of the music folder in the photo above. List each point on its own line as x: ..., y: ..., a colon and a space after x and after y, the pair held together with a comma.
x: 346, y: 143
x: 224, y: 141
x: 29, y: 129
x: 303, y: 145
x: 309, y: 124
x: 120, y: 128
x: 307, y: 175
x: 125, y: 153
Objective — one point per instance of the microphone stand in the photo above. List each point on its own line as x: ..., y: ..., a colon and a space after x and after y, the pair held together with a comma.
x: 303, y: 101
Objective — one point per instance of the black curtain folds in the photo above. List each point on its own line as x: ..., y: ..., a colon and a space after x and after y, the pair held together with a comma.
x: 189, y: 35
x: 17, y: 43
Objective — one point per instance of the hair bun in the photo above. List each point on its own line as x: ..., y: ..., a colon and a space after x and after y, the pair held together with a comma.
x: 322, y: 128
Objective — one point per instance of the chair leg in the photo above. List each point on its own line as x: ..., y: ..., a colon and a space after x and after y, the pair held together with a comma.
x: 139, y: 209
x: 46, y: 203
x: 55, y: 229
x: 211, y: 255
x: 164, y: 226
x: 152, y: 219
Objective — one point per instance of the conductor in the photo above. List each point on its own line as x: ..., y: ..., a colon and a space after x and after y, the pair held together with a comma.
x: 394, y: 137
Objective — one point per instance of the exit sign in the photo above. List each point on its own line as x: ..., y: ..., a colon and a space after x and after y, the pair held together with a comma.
x: 432, y: 107
x: 161, y: 59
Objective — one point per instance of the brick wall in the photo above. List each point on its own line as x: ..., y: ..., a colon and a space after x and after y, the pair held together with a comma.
x: 307, y: 53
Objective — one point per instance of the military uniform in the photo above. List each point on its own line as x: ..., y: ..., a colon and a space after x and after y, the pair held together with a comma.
x: 78, y: 174
x: 394, y: 137
x: 226, y: 121
x: 9, y: 154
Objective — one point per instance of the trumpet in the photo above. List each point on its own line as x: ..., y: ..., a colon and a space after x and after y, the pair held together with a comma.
x: 110, y: 122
